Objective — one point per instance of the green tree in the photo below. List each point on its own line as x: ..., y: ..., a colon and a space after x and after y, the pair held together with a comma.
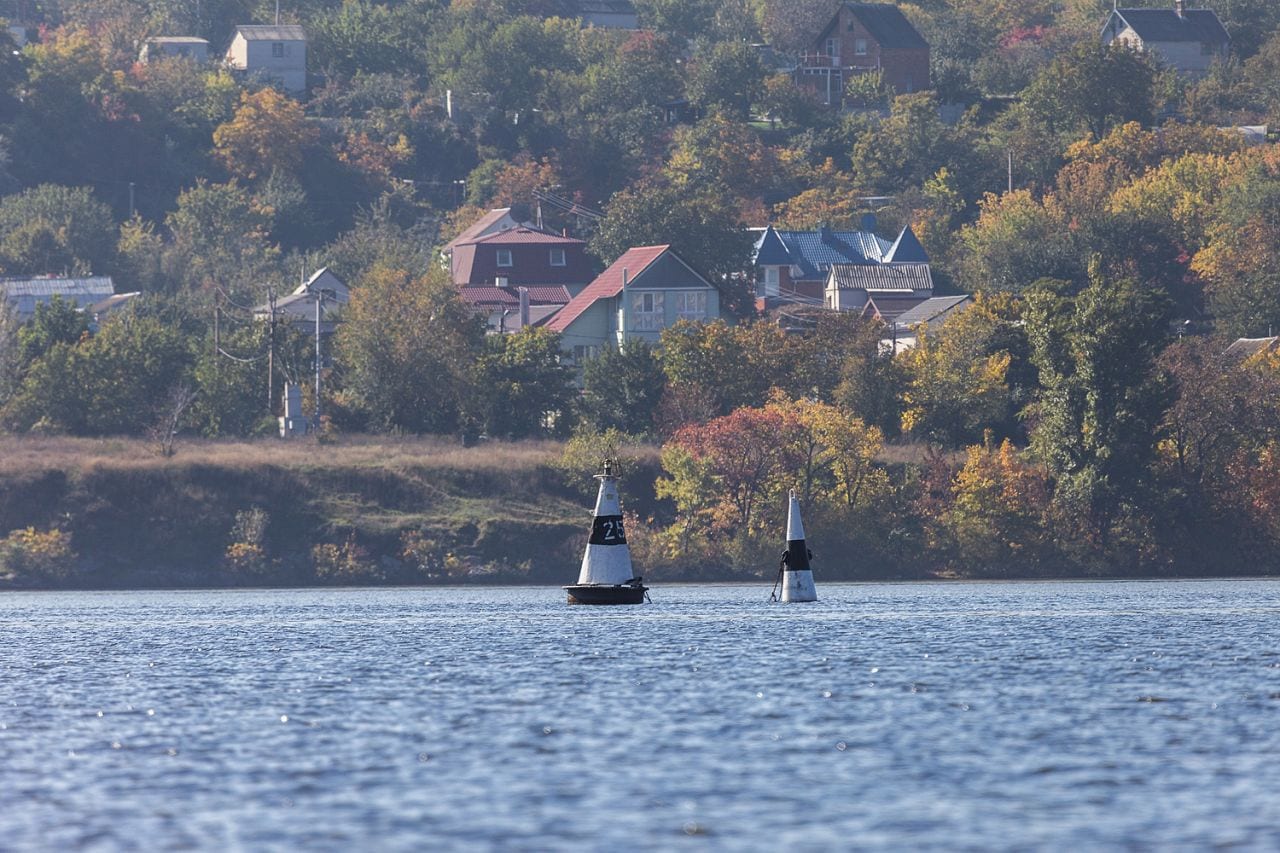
x: 1092, y: 88
x: 1094, y: 423
x: 726, y: 76
x: 57, y: 321
x: 406, y: 350
x: 51, y: 228
x: 527, y: 390
x: 621, y: 389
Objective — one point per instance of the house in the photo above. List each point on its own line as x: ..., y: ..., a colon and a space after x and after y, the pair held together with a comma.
x: 862, y: 38
x: 795, y: 266
x: 522, y: 256
x: 1186, y: 40
x: 276, y: 53
x: 878, y: 290
x: 24, y: 294
x: 497, y: 220
x: 99, y: 311
x: 903, y: 330
x: 608, y: 14
x: 509, y: 309
x: 641, y: 293
x: 174, y: 47
x: 1246, y: 348
x: 299, y: 307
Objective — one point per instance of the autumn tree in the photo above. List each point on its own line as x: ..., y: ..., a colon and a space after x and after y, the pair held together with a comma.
x: 268, y: 132
x: 621, y: 388
x: 523, y: 387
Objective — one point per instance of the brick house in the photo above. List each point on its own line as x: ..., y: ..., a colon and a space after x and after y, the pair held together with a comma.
x: 862, y: 38
x: 521, y: 256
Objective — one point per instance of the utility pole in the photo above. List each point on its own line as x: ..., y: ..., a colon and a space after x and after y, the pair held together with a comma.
x: 131, y: 205
x: 319, y: 299
x: 271, y: 351
x: 1010, y: 155
x: 217, y: 335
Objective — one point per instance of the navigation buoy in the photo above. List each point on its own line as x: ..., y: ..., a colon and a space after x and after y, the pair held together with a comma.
x: 607, y: 576
x: 794, y: 572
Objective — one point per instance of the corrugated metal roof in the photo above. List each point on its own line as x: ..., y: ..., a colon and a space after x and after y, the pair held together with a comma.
x: 889, y: 307
x: 814, y: 252
x: 98, y: 287
x: 1246, y: 347
x: 510, y: 296
x: 272, y: 32
x: 932, y: 310
x: 177, y: 40
x: 608, y: 283
x: 477, y: 228
x: 525, y: 234
x: 1194, y: 25
x: 882, y: 278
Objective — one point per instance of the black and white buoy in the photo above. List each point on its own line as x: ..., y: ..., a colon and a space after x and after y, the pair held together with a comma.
x: 795, y: 574
x: 607, y: 576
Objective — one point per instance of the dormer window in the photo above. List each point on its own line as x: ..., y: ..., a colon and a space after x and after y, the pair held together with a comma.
x: 277, y: 50
x: 557, y: 258
x: 504, y: 258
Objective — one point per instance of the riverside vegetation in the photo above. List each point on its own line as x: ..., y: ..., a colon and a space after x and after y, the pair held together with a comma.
x: 1080, y: 419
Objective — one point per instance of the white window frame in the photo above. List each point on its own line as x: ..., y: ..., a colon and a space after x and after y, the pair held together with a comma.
x: 691, y: 305
x: 648, y: 311
x: 503, y: 258
x: 833, y: 48
x: 860, y: 47
x: 277, y: 50
x: 558, y: 258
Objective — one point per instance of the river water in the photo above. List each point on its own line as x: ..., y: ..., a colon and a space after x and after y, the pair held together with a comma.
x: 955, y: 716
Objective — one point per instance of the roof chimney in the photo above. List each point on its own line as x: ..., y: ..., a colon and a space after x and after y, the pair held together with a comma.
x: 524, y: 305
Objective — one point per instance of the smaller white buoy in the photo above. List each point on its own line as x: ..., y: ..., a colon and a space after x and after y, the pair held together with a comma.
x: 797, y: 576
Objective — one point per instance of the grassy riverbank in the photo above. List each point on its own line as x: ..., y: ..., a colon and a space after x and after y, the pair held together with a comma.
x: 386, y: 510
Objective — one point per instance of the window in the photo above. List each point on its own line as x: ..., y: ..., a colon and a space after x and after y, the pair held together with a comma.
x: 833, y: 48
x: 647, y: 312
x: 860, y: 47
x: 277, y: 50
x: 504, y: 258
x: 583, y: 352
x: 771, y: 279
x: 692, y: 305
x: 557, y: 258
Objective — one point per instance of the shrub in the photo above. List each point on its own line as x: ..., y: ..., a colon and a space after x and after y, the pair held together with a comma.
x: 31, y: 555
x: 345, y: 563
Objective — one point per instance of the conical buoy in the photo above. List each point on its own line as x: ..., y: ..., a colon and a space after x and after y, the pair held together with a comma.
x: 797, y: 576
x: 606, y: 576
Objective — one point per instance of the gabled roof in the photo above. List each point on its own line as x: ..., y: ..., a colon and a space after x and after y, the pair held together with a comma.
x: 933, y: 310
x: 509, y: 297
x: 321, y: 276
x: 1243, y: 348
x: 177, y: 40
x: 882, y: 278
x: 525, y: 234
x: 888, y: 25
x: 478, y: 228
x: 609, y: 283
x: 271, y: 32
x: 1166, y: 25
x: 98, y: 286
x: 907, y: 249
x: 815, y: 252
x: 889, y: 307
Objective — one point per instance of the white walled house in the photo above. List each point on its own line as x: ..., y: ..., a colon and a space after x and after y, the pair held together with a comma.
x: 174, y: 47
x: 1186, y: 40
x: 276, y: 53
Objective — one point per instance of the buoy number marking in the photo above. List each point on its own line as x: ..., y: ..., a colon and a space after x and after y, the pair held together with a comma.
x: 608, y: 530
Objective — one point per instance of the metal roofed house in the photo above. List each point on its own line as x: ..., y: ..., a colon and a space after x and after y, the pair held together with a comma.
x: 608, y: 14
x: 299, y: 307
x: 1186, y: 40
x: 496, y: 220
x: 861, y: 38
x: 24, y: 294
x: 643, y: 292
x: 522, y: 256
x: 276, y: 52
x: 510, y: 309
x: 795, y: 266
x: 903, y: 330
x: 1243, y: 348
x: 174, y: 47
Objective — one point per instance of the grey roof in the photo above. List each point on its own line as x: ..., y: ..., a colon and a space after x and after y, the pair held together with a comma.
x: 176, y: 40
x: 933, y: 311
x: 888, y: 25
x: 272, y: 32
x: 1245, y: 347
x: 882, y: 278
x: 814, y: 252
x: 98, y: 286
x: 1166, y: 25
x: 907, y: 248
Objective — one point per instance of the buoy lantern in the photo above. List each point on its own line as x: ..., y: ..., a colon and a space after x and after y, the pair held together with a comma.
x: 607, y: 576
x: 797, y: 576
